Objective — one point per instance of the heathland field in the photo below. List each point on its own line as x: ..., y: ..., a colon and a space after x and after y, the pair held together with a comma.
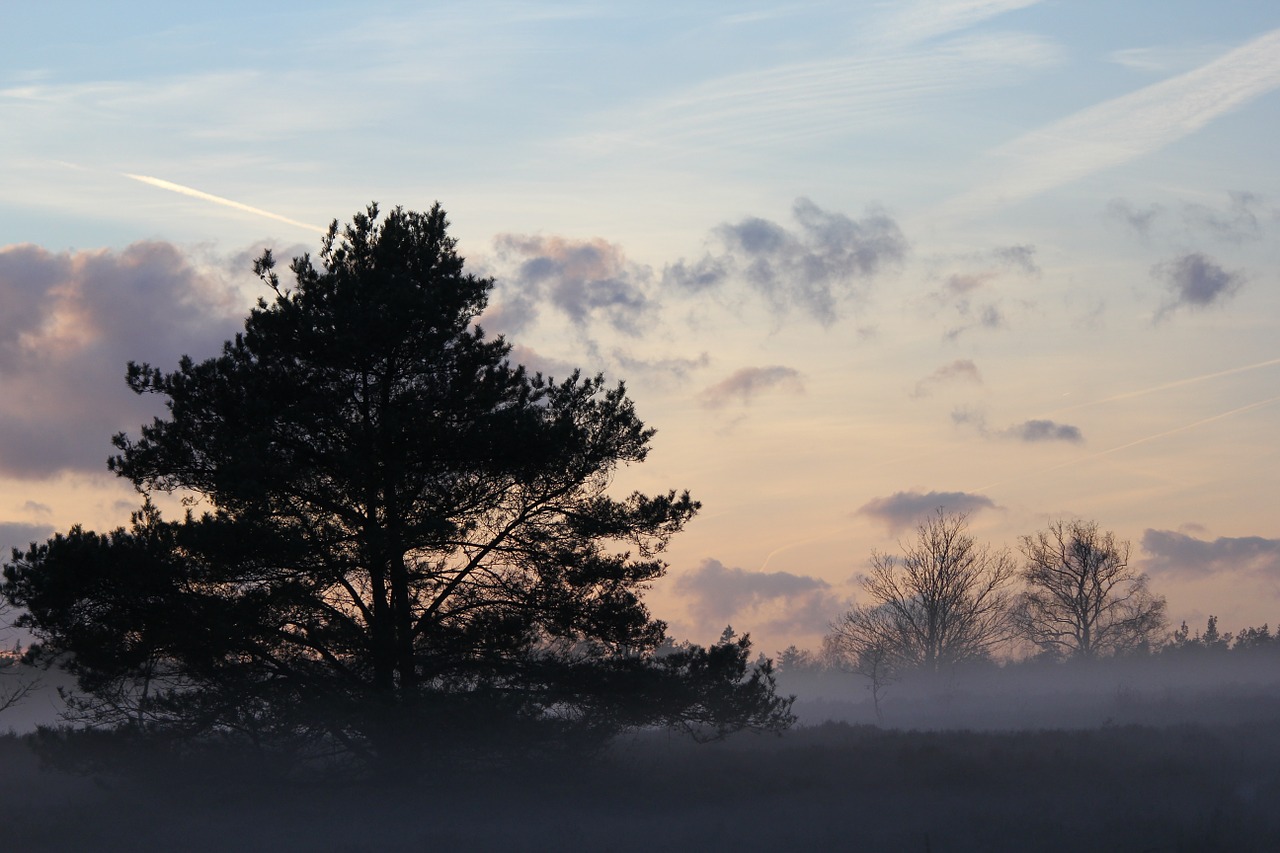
x: 827, y: 787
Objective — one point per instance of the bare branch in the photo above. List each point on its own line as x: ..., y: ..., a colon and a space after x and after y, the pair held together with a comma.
x: 1083, y: 598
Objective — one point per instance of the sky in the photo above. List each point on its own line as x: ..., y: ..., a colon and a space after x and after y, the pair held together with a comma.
x: 855, y: 261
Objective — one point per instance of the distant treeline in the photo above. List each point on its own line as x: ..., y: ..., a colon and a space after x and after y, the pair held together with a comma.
x: 1068, y: 593
x: 1249, y: 641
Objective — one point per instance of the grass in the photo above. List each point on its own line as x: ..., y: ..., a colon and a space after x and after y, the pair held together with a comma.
x: 1184, y: 788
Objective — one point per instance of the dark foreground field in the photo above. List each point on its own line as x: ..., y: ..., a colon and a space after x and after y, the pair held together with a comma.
x: 836, y: 787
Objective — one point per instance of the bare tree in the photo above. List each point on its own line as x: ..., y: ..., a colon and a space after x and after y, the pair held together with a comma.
x: 1083, y: 599
x: 945, y: 601
x: 858, y: 643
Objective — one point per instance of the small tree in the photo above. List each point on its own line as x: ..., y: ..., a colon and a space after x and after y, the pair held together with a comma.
x: 1083, y: 600
x: 1254, y: 638
x: 945, y: 601
x: 794, y: 660
x: 860, y: 643
x: 1213, y: 639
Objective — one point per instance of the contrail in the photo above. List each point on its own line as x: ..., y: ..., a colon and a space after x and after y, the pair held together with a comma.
x: 225, y: 202
x: 916, y: 22
x: 1177, y: 383
x: 805, y: 541
x: 1136, y: 442
x: 1130, y: 126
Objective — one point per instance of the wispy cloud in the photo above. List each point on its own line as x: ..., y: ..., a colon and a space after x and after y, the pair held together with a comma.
x: 960, y: 284
x: 989, y: 317
x: 960, y: 370
x: 1022, y: 257
x: 1239, y: 223
x: 674, y: 369
x: 1034, y: 431
x: 776, y: 601
x: 1138, y: 219
x: 1176, y: 383
x: 536, y: 362
x: 748, y: 383
x: 828, y: 261
x: 585, y: 280
x: 217, y: 199
x: 925, y: 19
x: 1164, y: 59
x: 801, y: 100
x: 1131, y: 126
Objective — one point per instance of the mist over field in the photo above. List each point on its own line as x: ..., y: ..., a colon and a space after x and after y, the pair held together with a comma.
x: 1119, y: 755
x: 1030, y: 695
x: 1202, y: 689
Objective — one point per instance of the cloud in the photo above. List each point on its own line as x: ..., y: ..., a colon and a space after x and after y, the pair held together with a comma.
x: 1138, y: 220
x: 990, y: 317
x: 1238, y: 224
x: 746, y: 384
x: 536, y: 362
x: 698, y: 276
x: 15, y: 534
x: 586, y: 280
x: 1177, y: 554
x: 1043, y: 430
x: 1022, y: 257
x: 755, y: 16
x: 513, y: 314
x: 1163, y: 59
x: 906, y: 509
x: 968, y: 293
x: 662, y: 368
x: 960, y: 284
x: 813, y: 269
x: 920, y: 20
x: 1131, y: 126
x: 807, y: 100
x: 960, y: 370
x: 69, y: 323
x: 239, y: 262
x: 1195, y: 281
x: 781, y: 601
x: 1031, y: 431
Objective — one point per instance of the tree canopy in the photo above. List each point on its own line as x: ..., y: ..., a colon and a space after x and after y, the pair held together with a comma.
x: 1083, y: 599
x: 945, y: 601
x: 392, y: 529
